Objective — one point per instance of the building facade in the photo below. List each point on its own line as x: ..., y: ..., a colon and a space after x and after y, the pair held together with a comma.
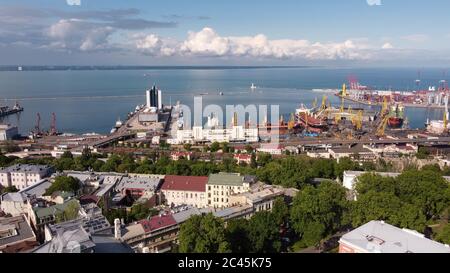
x: 22, y: 176
x: 185, y: 190
x: 221, y: 186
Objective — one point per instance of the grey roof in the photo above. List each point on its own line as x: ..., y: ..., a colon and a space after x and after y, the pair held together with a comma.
x: 13, y: 197
x: 37, y: 189
x: 182, y: 216
x: 17, y: 228
x: 380, y: 237
x: 145, y: 183
x: 107, y: 244
x: 71, y: 239
x: 26, y: 168
x: 228, y: 179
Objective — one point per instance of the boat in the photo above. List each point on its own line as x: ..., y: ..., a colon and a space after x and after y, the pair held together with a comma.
x: 221, y: 93
x: 253, y: 87
x: 396, y: 118
x: 304, y: 117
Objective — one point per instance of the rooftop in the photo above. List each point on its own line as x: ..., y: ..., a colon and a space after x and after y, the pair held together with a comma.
x: 14, y: 230
x: 229, y: 179
x: 25, y: 168
x: 185, y: 183
x: 145, y: 183
x: 157, y: 222
x: 37, y: 189
x: 52, y: 210
x: 380, y: 237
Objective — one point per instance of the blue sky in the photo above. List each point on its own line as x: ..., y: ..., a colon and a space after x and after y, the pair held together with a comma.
x: 283, y: 32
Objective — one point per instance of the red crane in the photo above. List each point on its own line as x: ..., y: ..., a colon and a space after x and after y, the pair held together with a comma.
x: 53, y: 130
x: 37, y: 128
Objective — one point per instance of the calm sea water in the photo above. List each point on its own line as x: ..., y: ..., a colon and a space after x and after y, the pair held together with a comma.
x: 91, y: 101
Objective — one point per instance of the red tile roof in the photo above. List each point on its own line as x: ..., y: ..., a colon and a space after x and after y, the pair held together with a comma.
x: 157, y: 222
x: 243, y: 156
x: 185, y: 183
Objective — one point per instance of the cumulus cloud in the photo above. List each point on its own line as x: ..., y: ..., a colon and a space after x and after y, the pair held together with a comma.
x: 75, y: 34
x: 208, y: 43
x: 387, y: 46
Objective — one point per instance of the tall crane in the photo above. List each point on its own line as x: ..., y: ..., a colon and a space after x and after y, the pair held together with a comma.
x: 291, y: 123
x: 38, y: 124
x: 53, y: 130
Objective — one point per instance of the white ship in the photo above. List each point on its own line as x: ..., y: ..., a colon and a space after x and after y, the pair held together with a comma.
x: 253, y: 87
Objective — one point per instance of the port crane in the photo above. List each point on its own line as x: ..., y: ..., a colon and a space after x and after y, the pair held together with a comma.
x: 384, y: 115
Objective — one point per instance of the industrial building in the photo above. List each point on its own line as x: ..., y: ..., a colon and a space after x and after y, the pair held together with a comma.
x: 8, y: 132
x: 198, y: 134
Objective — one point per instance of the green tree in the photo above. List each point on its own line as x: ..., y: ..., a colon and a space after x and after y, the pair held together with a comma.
x: 264, y: 233
x: 215, y: 147
x: 237, y: 236
x: 444, y: 235
x: 280, y: 211
x: 427, y: 190
x: 64, y: 183
x: 203, y: 234
x: 318, y: 212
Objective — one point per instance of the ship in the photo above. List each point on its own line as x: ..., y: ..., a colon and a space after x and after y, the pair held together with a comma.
x: 6, y: 110
x: 396, y: 118
x: 309, y: 121
x: 253, y: 87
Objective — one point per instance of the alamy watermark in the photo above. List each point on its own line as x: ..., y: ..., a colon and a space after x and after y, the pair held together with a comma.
x: 240, y: 121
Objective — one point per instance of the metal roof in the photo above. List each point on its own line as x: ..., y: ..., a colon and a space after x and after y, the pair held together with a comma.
x: 380, y: 237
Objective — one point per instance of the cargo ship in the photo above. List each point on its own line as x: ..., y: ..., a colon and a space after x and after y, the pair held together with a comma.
x: 305, y: 118
x: 6, y: 110
x: 396, y: 116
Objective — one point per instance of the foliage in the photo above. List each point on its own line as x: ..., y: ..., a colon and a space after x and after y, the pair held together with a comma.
x: 318, y: 212
x: 203, y: 234
x: 444, y: 235
x: 64, y: 183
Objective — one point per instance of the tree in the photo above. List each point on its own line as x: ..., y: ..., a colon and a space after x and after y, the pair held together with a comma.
x: 9, y: 189
x: 237, y: 236
x: 203, y: 234
x: 444, y: 235
x: 64, y: 183
x: 264, y: 233
x: 318, y: 212
x: 215, y: 147
x: 67, y: 155
x: 427, y: 190
x: 139, y: 212
x: 71, y: 212
x: 280, y: 211
x: 249, y: 149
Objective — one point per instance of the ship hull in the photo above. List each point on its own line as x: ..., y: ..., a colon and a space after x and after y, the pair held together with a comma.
x: 395, y: 123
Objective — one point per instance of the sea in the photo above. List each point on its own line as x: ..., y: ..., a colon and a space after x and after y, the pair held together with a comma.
x: 91, y: 100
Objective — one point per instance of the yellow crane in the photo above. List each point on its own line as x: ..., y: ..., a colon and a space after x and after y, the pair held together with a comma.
x: 445, y: 119
x: 357, y: 120
x: 382, y: 128
x: 291, y: 123
x: 324, y: 103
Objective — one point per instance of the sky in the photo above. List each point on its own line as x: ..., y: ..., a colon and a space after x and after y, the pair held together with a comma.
x: 219, y: 32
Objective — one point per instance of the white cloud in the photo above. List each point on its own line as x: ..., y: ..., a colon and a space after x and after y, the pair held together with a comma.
x: 210, y: 44
x: 387, y: 46
x: 75, y: 34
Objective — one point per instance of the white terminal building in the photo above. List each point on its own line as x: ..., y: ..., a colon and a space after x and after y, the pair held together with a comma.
x: 237, y: 133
